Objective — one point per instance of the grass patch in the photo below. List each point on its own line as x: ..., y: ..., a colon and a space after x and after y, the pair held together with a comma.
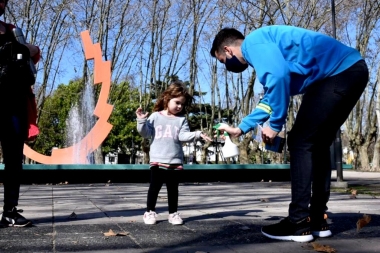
x: 360, y: 189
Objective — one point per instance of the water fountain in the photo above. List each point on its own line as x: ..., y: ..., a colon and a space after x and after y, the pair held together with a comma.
x: 79, y: 122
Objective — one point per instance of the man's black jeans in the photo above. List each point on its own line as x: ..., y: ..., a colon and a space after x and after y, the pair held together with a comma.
x: 12, y: 136
x: 325, y: 107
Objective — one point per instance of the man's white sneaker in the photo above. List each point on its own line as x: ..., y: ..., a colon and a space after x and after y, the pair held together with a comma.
x: 175, y: 219
x: 150, y: 218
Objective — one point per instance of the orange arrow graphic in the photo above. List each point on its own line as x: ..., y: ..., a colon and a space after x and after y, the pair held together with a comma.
x: 101, y: 129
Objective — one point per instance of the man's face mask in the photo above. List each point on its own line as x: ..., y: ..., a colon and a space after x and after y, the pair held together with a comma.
x: 234, y: 65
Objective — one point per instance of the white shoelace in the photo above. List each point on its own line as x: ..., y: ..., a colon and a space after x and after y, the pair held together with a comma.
x: 176, y: 216
x: 152, y: 214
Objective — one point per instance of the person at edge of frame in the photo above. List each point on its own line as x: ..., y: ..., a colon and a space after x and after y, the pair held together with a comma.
x: 14, y: 99
x: 288, y: 61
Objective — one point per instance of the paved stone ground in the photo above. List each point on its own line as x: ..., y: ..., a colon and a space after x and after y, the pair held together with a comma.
x: 219, y: 217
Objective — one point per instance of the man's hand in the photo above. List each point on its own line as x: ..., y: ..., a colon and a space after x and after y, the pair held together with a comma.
x: 140, y: 114
x: 32, y: 49
x: 232, y: 131
x: 268, y: 134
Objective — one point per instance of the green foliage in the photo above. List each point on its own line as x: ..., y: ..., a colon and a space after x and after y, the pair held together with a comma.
x: 197, y: 116
x: 125, y: 100
x: 201, y: 115
x: 52, y: 122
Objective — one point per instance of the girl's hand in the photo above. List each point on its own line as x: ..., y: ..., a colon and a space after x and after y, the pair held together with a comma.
x: 205, y: 137
x: 140, y: 114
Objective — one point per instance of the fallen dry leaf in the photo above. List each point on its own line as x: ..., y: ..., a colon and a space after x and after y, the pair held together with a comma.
x: 353, y: 193
x: 323, y: 248
x: 111, y: 233
x: 363, y: 222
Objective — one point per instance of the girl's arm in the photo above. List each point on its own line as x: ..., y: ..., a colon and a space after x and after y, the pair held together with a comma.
x: 185, y: 135
x: 144, y: 125
x: 145, y: 128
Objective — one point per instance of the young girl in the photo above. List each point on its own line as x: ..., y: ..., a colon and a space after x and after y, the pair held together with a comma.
x: 168, y: 128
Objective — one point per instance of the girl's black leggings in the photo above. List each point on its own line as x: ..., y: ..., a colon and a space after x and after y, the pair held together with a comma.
x: 157, y: 178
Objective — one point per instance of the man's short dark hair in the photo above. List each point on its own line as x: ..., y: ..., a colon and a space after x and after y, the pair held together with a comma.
x: 226, y: 36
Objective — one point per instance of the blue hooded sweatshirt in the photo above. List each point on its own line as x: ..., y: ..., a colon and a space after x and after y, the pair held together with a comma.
x: 287, y: 60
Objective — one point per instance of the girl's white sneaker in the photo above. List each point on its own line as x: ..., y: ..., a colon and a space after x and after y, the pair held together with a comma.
x: 150, y: 217
x: 175, y: 219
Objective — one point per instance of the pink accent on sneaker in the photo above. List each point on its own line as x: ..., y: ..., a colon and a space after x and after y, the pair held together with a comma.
x: 175, y: 219
x: 150, y: 218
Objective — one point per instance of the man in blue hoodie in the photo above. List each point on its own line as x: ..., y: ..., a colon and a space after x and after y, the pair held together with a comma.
x: 289, y: 61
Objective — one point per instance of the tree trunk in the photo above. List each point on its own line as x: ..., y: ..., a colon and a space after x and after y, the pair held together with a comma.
x: 204, y: 153
x: 145, y: 146
x: 243, y: 149
x: 98, y: 155
x: 364, y: 161
x: 376, y: 156
x: 376, y: 153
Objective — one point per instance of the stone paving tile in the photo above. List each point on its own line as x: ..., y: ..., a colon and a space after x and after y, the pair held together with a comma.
x: 226, y: 232
x: 30, y: 239
x: 91, y: 237
x: 162, y: 235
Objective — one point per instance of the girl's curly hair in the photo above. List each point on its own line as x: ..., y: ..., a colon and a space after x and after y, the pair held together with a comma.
x: 175, y: 90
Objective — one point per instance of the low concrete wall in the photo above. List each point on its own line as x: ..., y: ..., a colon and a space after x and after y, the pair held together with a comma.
x: 146, y: 166
x: 140, y: 173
